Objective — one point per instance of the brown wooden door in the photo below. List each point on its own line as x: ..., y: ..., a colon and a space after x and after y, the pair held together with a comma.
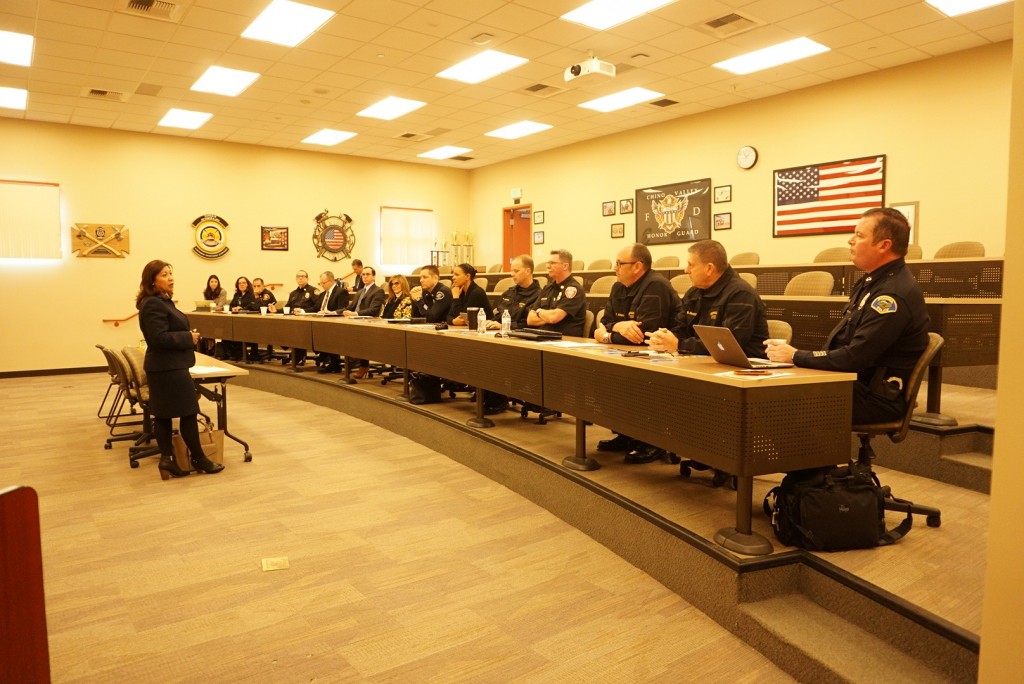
x: 517, y: 229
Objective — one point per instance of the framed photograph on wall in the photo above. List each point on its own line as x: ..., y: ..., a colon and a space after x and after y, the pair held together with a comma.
x: 908, y: 209
x: 274, y: 238
x: 618, y: 230
x: 608, y: 208
x: 538, y: 218
x: 538, y: 237
x: 723, y: 193
x: 626, y: 206
x: 723, y: 221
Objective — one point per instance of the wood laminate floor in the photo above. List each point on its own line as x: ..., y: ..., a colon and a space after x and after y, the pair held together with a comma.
x: 404, y: 566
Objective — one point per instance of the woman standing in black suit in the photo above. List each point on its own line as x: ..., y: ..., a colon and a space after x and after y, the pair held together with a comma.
x: 169, y: 354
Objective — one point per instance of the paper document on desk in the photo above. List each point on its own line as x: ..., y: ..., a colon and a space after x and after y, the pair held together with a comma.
x: 206, y: 370
x: 569, y: 344
x: 744, y: 376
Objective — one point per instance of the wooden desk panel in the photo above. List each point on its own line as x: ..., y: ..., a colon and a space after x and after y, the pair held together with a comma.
x: 214, y: 326
x: 284, y: 331
x: 746, y: 428
x: 510, y: 367
x: 378, y: 341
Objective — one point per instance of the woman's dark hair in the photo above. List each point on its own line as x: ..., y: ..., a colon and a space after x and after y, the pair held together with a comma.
x: 210, y: 293
x: 248, y: 285
x: 147, y: 286
x: 468, y: 270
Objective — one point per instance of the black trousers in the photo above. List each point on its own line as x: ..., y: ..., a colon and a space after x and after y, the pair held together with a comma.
x: 868, y: 407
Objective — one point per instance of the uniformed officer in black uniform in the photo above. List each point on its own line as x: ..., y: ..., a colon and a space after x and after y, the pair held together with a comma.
x: 520, y: 298
x: 718, y: 297
x: 432, y: 299
x: 884, y: 328
x: 562, y: 305
x: 302, y: 297
x: 641, y: 301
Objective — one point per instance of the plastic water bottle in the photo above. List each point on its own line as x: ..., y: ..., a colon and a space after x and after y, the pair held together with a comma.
x: 506, y: 323
x: 481, y: 321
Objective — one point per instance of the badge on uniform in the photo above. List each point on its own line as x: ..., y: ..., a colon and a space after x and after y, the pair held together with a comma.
x: 439, y: 296
x: 884, y: 304
x: 570, y: 292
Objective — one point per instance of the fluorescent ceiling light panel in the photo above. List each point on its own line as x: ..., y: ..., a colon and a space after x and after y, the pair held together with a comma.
x: 286, y: 23
x: 953, y: 8
x: 391, y: 108
x: 445, y: 152
x: 329, y: 136
x: 518, y: 130
x: 16, y: 48
x: 182, y: 118
x: 621, y: 100
x: 13, y: 98
x: 602, y: 14
x: 223, y: 81
x: 483, y: 66
x: 790, y: 51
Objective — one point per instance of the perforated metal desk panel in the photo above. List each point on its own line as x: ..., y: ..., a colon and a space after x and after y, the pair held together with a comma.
x: 743, y: 426
x: 504, y: 366
x: 361, y: 339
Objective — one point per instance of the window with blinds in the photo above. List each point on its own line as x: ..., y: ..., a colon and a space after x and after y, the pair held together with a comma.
x: 406, y: 235
x: 29, y: 220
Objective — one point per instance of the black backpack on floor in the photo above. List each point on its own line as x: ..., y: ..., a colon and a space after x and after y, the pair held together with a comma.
x: 832, y: 509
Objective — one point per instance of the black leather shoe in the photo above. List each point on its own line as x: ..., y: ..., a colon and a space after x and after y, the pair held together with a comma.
x: 168, y: 468
x: 494, y: 410
x: 328, y: 369
x: 644, y: 454
x: 205, y: 465
x: 616, y: 443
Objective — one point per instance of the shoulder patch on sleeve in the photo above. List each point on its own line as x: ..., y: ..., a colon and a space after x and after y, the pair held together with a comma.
x: 884, y: 304
x: 439, y: 295
x: 570, y: 292
x: 820, y: 353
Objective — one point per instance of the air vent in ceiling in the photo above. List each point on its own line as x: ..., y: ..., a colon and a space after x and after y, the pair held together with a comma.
x: 413, y: 137
x: 731, y: 24
x: 434, y: 132
x: 105, y: 95
x: 151, y: 9
x: 664, y: 102
x: 461, y: 158
x: 543, y: 90
x: 150, y: 89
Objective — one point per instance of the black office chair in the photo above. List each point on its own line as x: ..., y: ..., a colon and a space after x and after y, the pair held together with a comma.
x: 897, y: 431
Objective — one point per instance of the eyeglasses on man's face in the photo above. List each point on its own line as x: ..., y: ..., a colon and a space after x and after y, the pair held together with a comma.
x: 620, y: 264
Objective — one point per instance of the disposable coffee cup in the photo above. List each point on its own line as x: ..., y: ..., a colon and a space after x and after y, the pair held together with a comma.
x: 263, y: 310
x: 287, y: 310
x: 471, y: 316
x: 227, y: 308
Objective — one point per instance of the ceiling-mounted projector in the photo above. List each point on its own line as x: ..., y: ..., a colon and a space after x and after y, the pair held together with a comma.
x: 590, y: 66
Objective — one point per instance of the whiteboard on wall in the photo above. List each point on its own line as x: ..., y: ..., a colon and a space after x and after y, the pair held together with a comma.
x: 29, y: 220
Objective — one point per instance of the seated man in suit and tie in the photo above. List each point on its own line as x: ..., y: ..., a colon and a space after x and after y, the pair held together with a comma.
x: 333, y: 298
x: 368, y: 302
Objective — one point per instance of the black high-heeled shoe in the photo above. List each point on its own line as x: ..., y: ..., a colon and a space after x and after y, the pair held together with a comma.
x: 205, y: 465
x: 168, y: 468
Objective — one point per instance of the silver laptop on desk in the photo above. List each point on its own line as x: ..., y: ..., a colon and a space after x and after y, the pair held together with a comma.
x: 724, y: 348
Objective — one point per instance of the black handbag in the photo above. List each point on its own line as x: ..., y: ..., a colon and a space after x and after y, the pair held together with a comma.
x: 832, y: 509
x: 424, y: 389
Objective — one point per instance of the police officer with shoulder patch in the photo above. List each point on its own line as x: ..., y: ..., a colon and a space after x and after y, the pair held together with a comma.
x: 884, y: 327
x: 432, y: 299
x: 302, y: 298
x: 520, y: 298
x: 562, y: 305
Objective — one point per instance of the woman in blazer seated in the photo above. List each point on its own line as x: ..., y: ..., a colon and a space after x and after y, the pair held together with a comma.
x: 466, y: 294
x: 169, y: 355
x: 243, y: 300
x: 398, y: 302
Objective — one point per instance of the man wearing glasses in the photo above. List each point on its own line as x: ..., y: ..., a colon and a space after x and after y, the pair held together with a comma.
x: 562, y: 305
x: 642, y: 301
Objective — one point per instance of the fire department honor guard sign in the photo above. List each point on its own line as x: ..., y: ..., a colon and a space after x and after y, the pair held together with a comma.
x: 333, y: 236
x: 680, y: 212
x: 99, y: 240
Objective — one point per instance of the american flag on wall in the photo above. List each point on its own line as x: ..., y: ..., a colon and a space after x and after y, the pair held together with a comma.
x: 827, y: 198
